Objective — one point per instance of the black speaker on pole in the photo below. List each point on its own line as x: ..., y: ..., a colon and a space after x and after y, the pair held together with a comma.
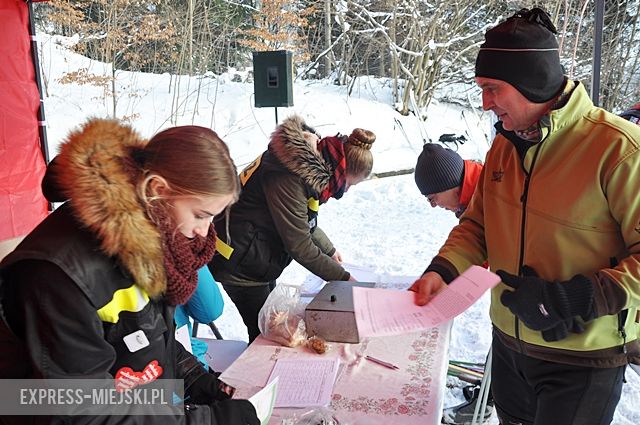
x: 272, y: 78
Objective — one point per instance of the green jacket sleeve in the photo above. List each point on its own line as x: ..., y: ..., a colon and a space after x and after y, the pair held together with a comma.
x: 465, y: 245
x: 287, y: 203
x: 323, y: 242
x: 618, y: 288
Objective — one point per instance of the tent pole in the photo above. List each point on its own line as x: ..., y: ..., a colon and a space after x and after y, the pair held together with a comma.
x: 597, y: 52
x: 42, y: 123
x: 42, y: 129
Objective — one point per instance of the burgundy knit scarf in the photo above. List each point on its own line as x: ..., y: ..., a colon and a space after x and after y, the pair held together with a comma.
x: 183, y: 257
x: 332, y: 151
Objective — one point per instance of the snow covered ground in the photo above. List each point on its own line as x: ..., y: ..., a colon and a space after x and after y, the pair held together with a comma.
x: 384, y: 224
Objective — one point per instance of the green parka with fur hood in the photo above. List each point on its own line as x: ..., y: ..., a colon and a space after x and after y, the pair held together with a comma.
x: 275, y: 219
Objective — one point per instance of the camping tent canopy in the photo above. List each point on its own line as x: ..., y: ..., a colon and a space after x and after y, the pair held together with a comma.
x: 22, y: 165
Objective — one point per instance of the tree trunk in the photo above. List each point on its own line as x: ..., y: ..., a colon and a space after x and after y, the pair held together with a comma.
x: 327, y: 37
x: 190, y: 32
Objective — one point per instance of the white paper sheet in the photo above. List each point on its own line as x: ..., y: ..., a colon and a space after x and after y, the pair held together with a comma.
x: 304, y: 382
x: 183, y: 337
x: 313, y: 284
x: 360, y: 273
x: 264, y: 401
x: 389, y: 312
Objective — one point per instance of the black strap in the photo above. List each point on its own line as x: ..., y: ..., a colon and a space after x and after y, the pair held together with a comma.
x: 622, y: 318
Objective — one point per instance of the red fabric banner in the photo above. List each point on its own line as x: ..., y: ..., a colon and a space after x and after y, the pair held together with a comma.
x: 22, y: 166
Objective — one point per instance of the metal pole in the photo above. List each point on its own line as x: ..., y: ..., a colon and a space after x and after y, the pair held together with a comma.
x: 597, y: 52
x: 276, y: 108
x: 42, y: 129
x: 42, y: 122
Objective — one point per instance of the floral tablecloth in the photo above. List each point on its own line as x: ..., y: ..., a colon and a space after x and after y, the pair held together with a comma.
x: 365, y: 393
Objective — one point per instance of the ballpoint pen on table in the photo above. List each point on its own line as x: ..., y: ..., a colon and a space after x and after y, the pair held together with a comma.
x: 381, y: 362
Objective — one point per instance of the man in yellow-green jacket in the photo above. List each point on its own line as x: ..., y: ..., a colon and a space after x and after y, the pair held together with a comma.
x: 557, y: 214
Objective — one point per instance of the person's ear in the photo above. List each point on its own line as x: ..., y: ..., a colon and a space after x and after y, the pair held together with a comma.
x: 159, y: 186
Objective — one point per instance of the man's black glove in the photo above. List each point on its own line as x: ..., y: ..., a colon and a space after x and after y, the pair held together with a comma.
x: 562, y: 330
x: 208, y: 388
x: 542, y: 305
x: 233, y: 412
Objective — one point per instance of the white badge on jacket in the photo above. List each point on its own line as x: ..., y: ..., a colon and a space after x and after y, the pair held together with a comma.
x: 136, y: 341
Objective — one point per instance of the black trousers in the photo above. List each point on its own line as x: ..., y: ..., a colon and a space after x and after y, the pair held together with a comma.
x: 249, y: 300
x: 529, y: 391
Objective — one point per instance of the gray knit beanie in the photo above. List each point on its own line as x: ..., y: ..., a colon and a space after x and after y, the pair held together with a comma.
x: 438, y: 169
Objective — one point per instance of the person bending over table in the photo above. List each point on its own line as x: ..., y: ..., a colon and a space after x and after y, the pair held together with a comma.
x: 276, y: 217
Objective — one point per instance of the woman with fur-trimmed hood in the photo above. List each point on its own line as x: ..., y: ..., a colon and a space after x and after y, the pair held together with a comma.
x: 275, y: 219
x: 90, y: 293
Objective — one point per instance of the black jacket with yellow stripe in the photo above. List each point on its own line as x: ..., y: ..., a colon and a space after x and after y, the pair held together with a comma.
x: 89, y: 275
x: 93, y: 286
x: 84, y: 303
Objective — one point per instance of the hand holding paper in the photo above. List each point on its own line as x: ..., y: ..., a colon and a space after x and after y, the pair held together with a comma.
x: 427, y: 286
x: 388, y: 312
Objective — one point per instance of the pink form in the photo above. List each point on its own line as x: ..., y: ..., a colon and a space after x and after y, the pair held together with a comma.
x: 382, y: 312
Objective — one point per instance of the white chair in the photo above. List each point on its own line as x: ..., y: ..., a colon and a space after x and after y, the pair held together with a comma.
x: 220, y: 352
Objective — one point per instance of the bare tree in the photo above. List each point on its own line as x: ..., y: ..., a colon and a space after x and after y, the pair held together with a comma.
x: 421, y: 46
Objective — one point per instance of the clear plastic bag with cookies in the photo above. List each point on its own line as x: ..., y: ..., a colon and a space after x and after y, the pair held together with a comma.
x: 281, y: 318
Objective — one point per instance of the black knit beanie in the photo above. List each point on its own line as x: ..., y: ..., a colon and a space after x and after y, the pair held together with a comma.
x: 438, y: 169
x: 523, y: 51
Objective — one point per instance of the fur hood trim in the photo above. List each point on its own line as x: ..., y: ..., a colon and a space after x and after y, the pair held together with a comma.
x: 296, y: 155
x: 95, y: 172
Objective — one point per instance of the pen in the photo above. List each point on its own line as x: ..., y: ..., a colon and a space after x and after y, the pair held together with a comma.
x: 381, y: 362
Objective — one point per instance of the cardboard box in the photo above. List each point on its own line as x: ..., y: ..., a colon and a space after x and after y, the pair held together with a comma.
x: 330, y: 314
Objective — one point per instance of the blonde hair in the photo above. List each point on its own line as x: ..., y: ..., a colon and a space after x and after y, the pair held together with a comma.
x: 190, y: 160
x: 357, y: 150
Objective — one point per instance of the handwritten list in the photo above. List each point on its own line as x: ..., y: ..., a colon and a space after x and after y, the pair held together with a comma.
x: 304, y: 382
